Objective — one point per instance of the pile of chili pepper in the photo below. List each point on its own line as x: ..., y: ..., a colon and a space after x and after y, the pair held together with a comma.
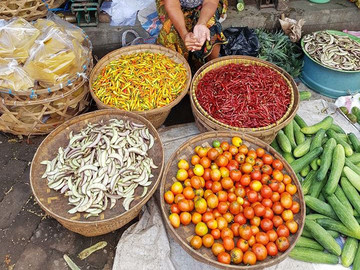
x: 140, y: 81
x: 248, y: 96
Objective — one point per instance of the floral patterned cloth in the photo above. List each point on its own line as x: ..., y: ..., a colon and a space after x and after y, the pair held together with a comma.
x: 190, y: 3
x: 171, y: 39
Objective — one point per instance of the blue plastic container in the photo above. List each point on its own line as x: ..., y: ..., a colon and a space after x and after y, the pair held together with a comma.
x: 328, y: 81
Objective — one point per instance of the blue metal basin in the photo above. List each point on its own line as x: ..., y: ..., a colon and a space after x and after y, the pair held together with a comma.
x: 328, y: 81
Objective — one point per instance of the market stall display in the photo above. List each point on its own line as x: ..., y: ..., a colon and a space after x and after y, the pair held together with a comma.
x: 331, y: 62
x: 53, y: 59
x: 112, y: 167
x: 213, y: 101
x: 146, y: 79
x: 180, y: 178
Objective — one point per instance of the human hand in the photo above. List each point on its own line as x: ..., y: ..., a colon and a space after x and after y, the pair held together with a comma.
x: 202, y: 33
x: 191, y: 42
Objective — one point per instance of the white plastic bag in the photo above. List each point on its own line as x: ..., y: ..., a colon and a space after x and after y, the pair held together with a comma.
x: 13, y: 77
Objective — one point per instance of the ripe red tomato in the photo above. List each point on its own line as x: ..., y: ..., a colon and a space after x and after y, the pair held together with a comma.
x: 266, y: 192
x: 277, y: 221
x: 240, y: 218
x: 228, y: 243
x: 265, y: 178
x: 266, y: 224
x: 277, y: 208
x: 259, y: 210
x: 262, y: 238
x: 240, y: 158
x: 259, y: 162
x: 275, y: 197
x: 245, y: 232
x: 295, y: 208
x: 226, y: 232
x: 223, y: 207
x: 272, y: 235
x: 216, y: 233
x: 249, y: 212
x: 227, y: 183
x: 235, y: 175
x: 222, y: 161
x: 249, y: 258
x: 236, y: 255
x: 212, y: 154
x: 260, y: 251
x: 255, y: 175
x: 245, y: 180
x: 175, y: 209
x: 235, y: 208
x: 267, y: 203
x: 224, y: 258
x: 282, y: 231
x: 233, y: 165
x: 252, y: 196
x: 260, y: 152
x: 266, y: 169
x: 240, y: 192
x: 268, y: 213
x: 242, y: 244
x: 235, y: 228
x: 282, y: 243
x: 216, y: 187
x: 277, y: 164
x: 268, y: 159
x: 272, y: 249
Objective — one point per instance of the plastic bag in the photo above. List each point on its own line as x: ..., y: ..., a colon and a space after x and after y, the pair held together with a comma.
x: 292, y: 28
x: 55, y: 57
x: 14, y: 77
x: 16, y: 39
x: 241, y: 41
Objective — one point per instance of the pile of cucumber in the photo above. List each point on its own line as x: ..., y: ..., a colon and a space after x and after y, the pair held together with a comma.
x: 327, y: 161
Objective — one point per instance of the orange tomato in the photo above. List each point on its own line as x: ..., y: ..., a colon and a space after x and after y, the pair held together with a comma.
x: 235, y: 207
x: 207, y: 193
x: 260, y: 152
x: 224, y: 172
x: 185, y: 218
x: 196, y: 218
x: 260, y: 251
x: 243, y: 149
x: 179, y: 197
x: 295, y: 208
x: 291, y: 189
x: 226, y: 232
x: 195, y: 159
x: 221, y: 161
x: 233, y: 150
x: 236, y: 255
x: 268, y: 159
x: 184, y: 205
x: 201, y: 229
x: 195, y: 182
x: 262, y: 238
x: 222, y: 223
x: 187, y: 183
x: 286, y: 201
x: 212, y: 201
x: 207, y: 174
x: 255, y: 229
x: 235, y: 228
x: 216, y: 187
x: 227, y: 183
x: 200, y: 205
x: 222, y: 195
x: 228, y: 243
x: 242, y: 244
x: 212, y: 224
x: 217, y: 248
x: 228, y: 217
x: 183, y: 164
x: 252, y: 241
x: 175, y: 208
x: 202, y: 152
x: 278, y: 175
x: 208, y: 240
x: 249, y: 258
x: 287, y: 215
x: 198, y: 170
x: 287, y: 179
x: 255, y: 221
x: 207, y: 216
x: 272, y: 235
x: 215, y: 174
x: 246, y: 167
x: 177, y: 188
x: 255, y: 185
x: 169, y: 197
x: 174, y: 220
x: 292, y: 226
x: 225, y: 146
x: 245, y: 232
x: 212, y: 154
x: 215, y: 233
x: 196, y: 242
x: 228, y: 155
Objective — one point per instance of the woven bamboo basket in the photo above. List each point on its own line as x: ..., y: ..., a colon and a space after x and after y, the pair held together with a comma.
x: 156, y: 116
x: 183, y: 234
x: 27, y: 9
x: 56, y: 205
x: 206, y: 122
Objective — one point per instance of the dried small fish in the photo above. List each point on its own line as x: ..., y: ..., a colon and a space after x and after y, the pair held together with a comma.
x: 104, y: 161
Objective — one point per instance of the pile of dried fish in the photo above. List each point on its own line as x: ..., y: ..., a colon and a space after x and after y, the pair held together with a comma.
x: 335, y: 51
x: 103, y: 161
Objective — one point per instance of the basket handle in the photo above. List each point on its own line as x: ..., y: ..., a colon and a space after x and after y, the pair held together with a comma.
x: 134, y: 41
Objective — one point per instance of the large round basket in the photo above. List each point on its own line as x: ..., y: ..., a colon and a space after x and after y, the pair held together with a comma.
x: 183, y: 234
x: 56, y: 204
x: 27, y: 9
x: 156, y: 116
x: 205, y: 122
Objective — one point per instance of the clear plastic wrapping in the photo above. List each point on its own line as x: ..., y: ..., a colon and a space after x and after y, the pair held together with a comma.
x: 14, y: 77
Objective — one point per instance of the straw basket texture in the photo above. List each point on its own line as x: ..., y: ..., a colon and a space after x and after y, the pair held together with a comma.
x: 56, y: 205
x: 156, y: 116
x: 205, y: 122
x: 183, y: 234
x: 27, y: 9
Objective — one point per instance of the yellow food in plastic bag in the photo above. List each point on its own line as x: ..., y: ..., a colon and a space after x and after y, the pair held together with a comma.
x: 14, y: 77
x: 16, y: 39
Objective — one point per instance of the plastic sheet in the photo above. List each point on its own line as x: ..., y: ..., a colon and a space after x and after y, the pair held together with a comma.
x: 14, y: 77
x: 241, y: 41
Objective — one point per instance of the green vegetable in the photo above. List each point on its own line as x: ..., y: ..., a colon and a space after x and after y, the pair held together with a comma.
x: 300, y: 121
x: 306, y: 184
x: 320, y: 207
x: 334, y: 234
x: 356, y: 263
x: 324, y: 124
x: 331, y: 224
x: 339, y: 193
x: 308, y: 243
x: 355, y: 158
x: 353, y: 177
x: 323, y: 237
x: 304, y: 172
x: 70, y: 263
x: 338, y: 161
x: 283, y: 141
x: 317, y: 140
x: 337, y: 128
x: 344, y: 110
x: 315, y: 216
x: 304, y: 95
x: 299, y: 136
x: 344, y: 137
x: 353, y: 119
x: 289, y: 132
x: 346, y: 217
x: 355, y: 110
x: 321, y: 197
x: 306, y: 233
x: 349, y: 251
x: 318, y: 161
x: 347, y: 147
x: 313, y: 256
x: 305, y: 160
x: 288, y: 157
x: 326, y: 158
x: 302, y: 148
x: 317, y: 187
x: 354, y: 141
x: 314, y: 166
x: 276, y: 146
x: 351, y: 193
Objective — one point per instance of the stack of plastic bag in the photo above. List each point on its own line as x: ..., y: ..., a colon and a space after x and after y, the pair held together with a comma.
x: 13, y: 76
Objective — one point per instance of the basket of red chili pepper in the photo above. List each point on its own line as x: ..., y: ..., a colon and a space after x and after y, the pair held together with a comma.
x: 245, y: 94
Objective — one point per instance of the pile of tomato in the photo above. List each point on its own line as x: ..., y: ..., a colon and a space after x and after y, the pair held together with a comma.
x: 239, y: 199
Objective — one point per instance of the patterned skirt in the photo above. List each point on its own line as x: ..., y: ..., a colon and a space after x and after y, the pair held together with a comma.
x: 171, y: 39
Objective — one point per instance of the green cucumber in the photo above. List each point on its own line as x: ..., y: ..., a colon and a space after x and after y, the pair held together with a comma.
x: 299, y: 136
x: 302, y: 148
x: 276, y: 146
x: 306, y: 233
x: 355, y: 158
x: 356, y: 263
x: 320, y: 207
x: 324, y: 124
x: 304, y: 95
x: 326, y: 158
x: 305, y: 160
x: 353, y: 177
x: 324, y: 140
x: 321, y: 197
x: 315, y: 216
x: 308, y: 243
x: 323, y: 237
x: 344, y: 137
x: 317, y: 187
x: 300, y: 121
x: 338, y: 161
x: 289, y: 132
x: 346, y: 217
x: 334, y: 225
x: 351, y: 193
x: 334, y: 234
x: 354, y: 142
x: 352, y: 166
x: 347, y: 147
x: 283, y: 141
x: 288, y: 157
x: 316, y: 141
x: 312, y: 256
x: 339, y: 193
x: 305, y: 171
x: 318, y: 161
x: 314, y: 165
x: 306, y: 184
x: 349, y: 251
x: 337, y: 129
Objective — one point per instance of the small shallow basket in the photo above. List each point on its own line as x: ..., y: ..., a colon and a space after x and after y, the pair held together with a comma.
x: 183, y: 234
x: 56, y: 204
x: 205, y: 122
x: 156, y: 116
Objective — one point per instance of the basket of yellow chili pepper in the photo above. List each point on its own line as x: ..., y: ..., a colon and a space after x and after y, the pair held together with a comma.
x: 146, y: 79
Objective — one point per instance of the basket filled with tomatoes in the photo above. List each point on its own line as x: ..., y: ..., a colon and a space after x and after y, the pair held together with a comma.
x: 243, y: 93
x: 231, y: 201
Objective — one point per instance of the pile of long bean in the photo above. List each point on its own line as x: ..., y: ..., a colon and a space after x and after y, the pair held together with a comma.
x: 140, y: 81
x: 240, y: 95
x: 104, y: 161
x: 335, y: 51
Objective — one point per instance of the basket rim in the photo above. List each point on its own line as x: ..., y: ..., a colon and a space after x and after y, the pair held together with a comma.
x: 236, y: 59
x: 88, y: 116
x: 141, y: 48
x: 247, y: 138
